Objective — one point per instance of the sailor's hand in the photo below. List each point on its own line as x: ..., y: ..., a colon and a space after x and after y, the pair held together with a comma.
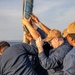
x: 34, y: 18
x: 28, y: 36
x: 34, y: 25
x: 25, y: 21
x: 39, y: 44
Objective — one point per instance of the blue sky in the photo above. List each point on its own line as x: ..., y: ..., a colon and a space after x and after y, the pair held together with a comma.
x: 53, y: 13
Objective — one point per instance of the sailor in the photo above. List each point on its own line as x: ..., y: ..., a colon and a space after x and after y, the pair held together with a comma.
x: 61, y: 47
x: 69, y: 60
x: 15, y: 60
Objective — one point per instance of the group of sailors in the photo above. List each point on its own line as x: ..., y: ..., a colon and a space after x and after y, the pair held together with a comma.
x: 49, y: 52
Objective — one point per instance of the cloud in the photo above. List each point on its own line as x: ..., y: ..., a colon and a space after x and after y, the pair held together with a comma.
x: 41, y: 6
x: 67, y: 15
x: 10, y: 22
x: 54, y: 13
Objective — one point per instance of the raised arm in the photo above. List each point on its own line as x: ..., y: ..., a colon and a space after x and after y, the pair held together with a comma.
x: 44, y: 28
x: 32, y: 31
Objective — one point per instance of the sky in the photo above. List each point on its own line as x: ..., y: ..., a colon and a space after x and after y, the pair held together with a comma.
x: 53, y: 13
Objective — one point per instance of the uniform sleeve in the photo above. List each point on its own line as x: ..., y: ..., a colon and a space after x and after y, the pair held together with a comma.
x: 42, y: 33
x: 30, y: 49
x: 54, y: 59
x: 69, y: 65
x: 48, y: 62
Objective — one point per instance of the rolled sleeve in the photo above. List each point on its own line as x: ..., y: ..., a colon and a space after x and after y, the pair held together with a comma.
x: 47, y: 62
x: 42, y: 33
